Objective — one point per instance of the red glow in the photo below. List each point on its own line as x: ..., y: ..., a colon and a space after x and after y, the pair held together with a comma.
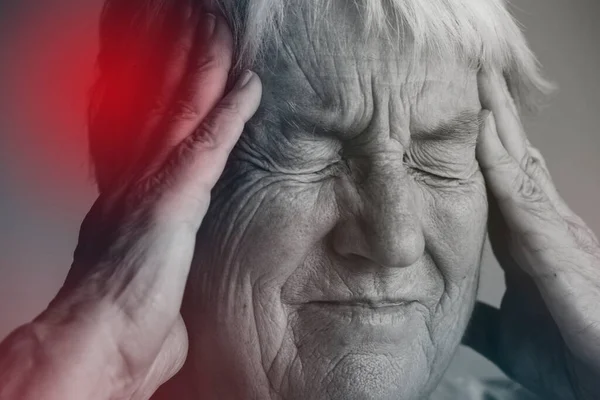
x: 49, y: 74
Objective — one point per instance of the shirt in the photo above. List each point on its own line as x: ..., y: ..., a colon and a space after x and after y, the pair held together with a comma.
x: 469, y: 388
x: 462, y: 388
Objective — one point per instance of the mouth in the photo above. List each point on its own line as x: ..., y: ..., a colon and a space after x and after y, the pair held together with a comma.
x: 363, y: 312
x: 366, y: 303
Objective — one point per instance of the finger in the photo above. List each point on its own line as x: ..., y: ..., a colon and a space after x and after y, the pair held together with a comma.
x: 501, y: 170
x: 201, y: 88
x: 173, y: 49
x: 204, y: 84
x: 167, y: 363
x: 530, y: 216
x: 140, y: 76
x: 535, y: 167
x: 494, y: 96
x: 177, y: 60
x: 198, y: 162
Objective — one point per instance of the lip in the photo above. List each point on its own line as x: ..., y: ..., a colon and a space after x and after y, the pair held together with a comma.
x: 366, y: 303
x: 363, y: 312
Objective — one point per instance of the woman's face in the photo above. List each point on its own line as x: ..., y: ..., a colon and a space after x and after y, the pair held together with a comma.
x: 340, y: 256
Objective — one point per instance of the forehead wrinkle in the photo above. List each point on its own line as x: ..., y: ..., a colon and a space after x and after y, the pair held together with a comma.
x: 329, y: 120
x: 327, y: 93
x: 319, y: 121
x: 338, y: 113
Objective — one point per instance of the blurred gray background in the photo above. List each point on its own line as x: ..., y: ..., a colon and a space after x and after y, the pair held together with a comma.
x: 47, y: 50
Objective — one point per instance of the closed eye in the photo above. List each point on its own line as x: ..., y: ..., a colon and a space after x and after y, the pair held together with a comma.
x: 428, y: 176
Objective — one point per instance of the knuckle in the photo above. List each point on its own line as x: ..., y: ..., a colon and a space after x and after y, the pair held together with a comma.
x: 213, y: 61
x: 504, y: 161
x: 205, y: 136
x: 225, y: 115
x: 182, y: 150
x: 535, y: 153
x: 528, y: 189
x: 229, y: 109
x: 537, y: 157
x: 184, y: 111
x: 534, y: 167
x: 180, y: 156
x: 530, y: 163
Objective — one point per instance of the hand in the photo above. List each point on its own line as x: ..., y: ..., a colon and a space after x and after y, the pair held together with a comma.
x: 546, y: 334
x: 114, y: 330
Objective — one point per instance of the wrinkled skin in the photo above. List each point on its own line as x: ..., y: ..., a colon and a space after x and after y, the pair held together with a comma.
x: 319, y: 204
x: 339, y: 257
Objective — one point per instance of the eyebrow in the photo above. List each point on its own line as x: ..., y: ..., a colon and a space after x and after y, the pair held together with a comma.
x: 465, y: 126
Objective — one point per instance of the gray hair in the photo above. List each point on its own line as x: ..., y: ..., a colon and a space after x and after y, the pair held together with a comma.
x: 481, y: 32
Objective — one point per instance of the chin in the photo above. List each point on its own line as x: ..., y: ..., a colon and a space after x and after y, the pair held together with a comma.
x: 364, y: 360
x: 363, y: 375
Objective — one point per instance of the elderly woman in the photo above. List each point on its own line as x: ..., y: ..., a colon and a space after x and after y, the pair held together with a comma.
x: 313, y: 229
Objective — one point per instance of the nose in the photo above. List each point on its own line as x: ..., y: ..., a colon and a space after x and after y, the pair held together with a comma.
x: 384, y: 226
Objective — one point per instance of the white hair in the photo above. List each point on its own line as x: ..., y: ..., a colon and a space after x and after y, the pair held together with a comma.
x: 482, y: 32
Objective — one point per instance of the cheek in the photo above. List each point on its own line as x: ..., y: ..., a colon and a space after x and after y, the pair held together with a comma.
x: 455, y: 226
x: 272, y: 228
x: 255, y: 236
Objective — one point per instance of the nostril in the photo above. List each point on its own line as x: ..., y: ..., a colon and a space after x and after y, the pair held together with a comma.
x: 400, y: 247
x: 385, y: 246
x: 347, y: 241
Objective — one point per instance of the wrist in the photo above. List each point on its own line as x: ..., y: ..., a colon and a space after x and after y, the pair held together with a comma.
x: 81, y: 358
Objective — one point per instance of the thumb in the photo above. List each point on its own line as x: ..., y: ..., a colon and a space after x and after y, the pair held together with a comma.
x: 198, y: 161
x: 168, y: 362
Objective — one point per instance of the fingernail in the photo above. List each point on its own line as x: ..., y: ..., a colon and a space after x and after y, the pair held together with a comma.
x: 244, y: 79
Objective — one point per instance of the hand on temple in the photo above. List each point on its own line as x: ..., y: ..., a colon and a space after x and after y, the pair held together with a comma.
x: 114, y: 330
x: 546, y: 334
